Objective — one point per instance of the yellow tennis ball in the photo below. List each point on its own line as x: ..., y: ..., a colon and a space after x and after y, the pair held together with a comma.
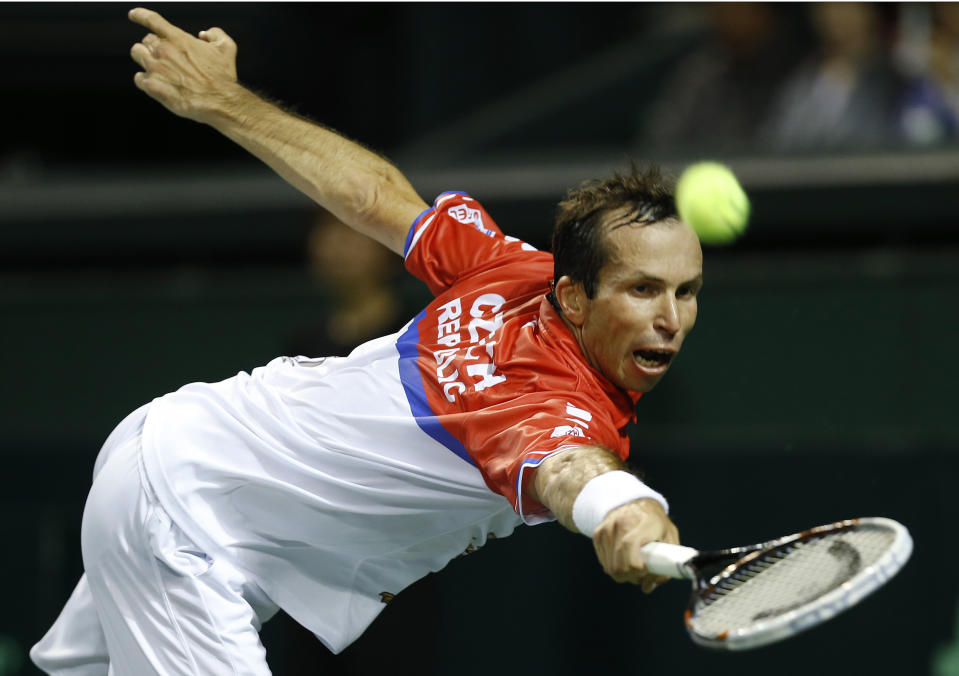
x: 711, y: 201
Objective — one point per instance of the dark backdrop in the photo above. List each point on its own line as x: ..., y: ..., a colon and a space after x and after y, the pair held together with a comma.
x: 818, y: 385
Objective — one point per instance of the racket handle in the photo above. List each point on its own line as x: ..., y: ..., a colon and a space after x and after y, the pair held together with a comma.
x: 668, y: 560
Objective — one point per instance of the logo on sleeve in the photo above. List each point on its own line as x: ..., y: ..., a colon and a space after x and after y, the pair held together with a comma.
x: 580, y: 420
x: 468, y: 216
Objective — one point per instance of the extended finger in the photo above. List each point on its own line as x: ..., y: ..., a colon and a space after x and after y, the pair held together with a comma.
x: 156, y: 23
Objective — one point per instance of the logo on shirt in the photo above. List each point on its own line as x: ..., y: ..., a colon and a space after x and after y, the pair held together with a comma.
x: 580, y: 420
x: 467, y: 360
x: 468, y: 216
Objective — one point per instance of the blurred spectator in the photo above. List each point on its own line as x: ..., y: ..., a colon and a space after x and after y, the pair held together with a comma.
x: 846, y: 93
x: 718, y: 95
x: 929, y: 52
x: 358, y: 278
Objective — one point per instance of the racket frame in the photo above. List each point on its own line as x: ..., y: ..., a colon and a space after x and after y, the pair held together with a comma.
x: 684, y: 562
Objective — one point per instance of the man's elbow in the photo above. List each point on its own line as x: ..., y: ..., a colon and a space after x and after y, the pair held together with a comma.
x: 365, y: 196
x: 377, y: 190
x: 375, y: 205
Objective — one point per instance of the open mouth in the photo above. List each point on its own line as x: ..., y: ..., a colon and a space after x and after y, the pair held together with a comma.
x: 653, y: 358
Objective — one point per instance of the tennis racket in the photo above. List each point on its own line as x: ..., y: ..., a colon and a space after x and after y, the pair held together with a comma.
x: 769, y: 591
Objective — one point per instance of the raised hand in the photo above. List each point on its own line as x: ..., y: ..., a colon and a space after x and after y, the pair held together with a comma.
x: 193, y: 77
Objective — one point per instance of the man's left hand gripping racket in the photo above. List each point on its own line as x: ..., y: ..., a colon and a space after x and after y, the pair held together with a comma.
x: 769, y: 591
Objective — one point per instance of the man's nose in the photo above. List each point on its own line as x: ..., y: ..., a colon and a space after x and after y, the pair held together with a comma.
x: 667, y: 318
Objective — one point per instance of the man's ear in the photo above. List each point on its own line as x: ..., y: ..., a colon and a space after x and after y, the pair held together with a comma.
x: 571, y: 297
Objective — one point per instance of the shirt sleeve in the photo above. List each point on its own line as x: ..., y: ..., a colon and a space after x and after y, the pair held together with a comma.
x: 509, y: 441
x: 454, y: 239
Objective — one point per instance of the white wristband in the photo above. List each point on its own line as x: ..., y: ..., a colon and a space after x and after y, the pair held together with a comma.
x: 606, y: 492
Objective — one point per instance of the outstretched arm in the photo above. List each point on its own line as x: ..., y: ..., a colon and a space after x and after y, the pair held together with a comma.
x: 623, y: 531
x: 196, y: 78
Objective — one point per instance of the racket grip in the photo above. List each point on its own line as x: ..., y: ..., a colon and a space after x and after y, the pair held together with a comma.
x: 669, y: 560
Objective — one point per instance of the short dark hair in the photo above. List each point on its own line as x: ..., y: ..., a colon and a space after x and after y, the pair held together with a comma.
x: 579, y: 245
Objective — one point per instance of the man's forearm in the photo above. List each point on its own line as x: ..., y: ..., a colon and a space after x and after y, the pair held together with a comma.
x: 559, y: 479
x: 360, y: 187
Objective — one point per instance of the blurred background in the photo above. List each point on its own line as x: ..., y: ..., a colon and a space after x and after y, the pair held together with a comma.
x: 140, y: 252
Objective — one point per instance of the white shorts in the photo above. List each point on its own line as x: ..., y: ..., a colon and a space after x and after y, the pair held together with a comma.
x: 150, y: 601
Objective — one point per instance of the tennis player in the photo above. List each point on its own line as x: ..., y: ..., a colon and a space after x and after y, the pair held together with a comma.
x: 324, y: 486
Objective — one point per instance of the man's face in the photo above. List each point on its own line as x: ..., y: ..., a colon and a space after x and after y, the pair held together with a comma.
x: 645, y: 301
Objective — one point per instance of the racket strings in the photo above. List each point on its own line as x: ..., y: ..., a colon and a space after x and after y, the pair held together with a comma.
x: 785, y: 578
x: 745, y: 573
